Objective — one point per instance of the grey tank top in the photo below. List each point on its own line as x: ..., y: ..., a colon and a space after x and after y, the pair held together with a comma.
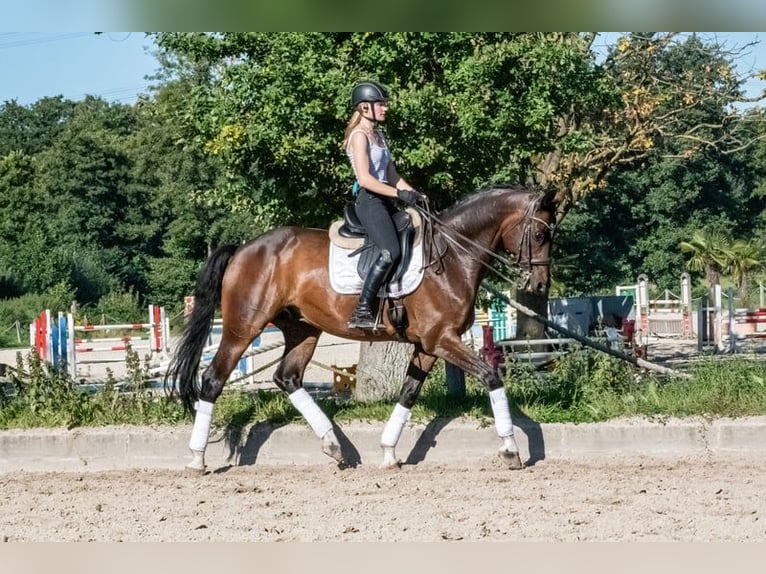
x: 379, y: 156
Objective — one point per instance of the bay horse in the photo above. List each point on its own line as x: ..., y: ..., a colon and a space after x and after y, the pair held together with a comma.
x: 282, y: 277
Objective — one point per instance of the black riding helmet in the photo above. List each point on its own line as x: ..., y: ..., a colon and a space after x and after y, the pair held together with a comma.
x: 368, y: 92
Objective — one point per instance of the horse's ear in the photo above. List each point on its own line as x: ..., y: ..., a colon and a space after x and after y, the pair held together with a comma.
x: 552, y: 198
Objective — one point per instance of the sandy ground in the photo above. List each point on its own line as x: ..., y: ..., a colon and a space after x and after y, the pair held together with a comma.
x: 554, y: 500
x: 642, y: 499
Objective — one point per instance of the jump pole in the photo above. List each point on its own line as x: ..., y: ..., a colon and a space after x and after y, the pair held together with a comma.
x: 580, y: 338
x: 158, y: 337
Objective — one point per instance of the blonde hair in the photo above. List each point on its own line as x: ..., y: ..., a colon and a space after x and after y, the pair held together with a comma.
x: 356, y: 117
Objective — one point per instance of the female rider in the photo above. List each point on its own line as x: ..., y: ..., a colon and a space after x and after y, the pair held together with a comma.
x: 379, y: 185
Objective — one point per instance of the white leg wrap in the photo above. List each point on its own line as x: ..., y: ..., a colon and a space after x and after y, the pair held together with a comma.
x: 201, y: 430
x: 395, y: 425
x: 501, y: 412
x: 317, y: 420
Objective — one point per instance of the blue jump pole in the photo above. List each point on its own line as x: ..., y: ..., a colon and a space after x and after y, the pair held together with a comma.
x: 63, y: 336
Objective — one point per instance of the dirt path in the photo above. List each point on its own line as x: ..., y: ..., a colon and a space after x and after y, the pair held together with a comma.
x: 555, y: 500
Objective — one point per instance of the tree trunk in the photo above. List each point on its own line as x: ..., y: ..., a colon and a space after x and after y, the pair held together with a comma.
x: 527, y: 327
x: 744, y: 292
x: 380, y: 371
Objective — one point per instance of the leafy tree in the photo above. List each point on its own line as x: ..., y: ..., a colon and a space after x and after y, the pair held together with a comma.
x: 745, y: 258
x: 468, y: 109
x: 91, y: 206
x: 692, y: 173
x: 709, y: 252
x: 180, y: 179
x: 17, y: 208
x: 32, y: 128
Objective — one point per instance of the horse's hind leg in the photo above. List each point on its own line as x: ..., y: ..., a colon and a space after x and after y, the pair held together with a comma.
x: 213, y: 379
x: 418, y: 369
x: 300, y: 343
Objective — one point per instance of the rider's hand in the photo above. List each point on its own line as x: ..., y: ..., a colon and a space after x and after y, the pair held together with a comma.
x: 410, y: 196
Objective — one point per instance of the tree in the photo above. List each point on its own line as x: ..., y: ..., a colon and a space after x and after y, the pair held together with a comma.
x: 180, y: 179
x: 745, y: 257
x: 709, y: 250
x: 18, y: 205
x: 32, y: 128
x: 469, y: 109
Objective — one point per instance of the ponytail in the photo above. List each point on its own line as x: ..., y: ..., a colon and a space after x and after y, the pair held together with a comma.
x: 352, y: 123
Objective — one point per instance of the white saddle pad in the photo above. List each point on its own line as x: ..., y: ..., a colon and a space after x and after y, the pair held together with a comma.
x: 345, y: 279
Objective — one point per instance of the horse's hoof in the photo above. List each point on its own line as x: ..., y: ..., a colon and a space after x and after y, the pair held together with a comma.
x: 511, y: 459
x: 390, y: 462
x: 197, y: 463
x: 391, y: 465
x: 332, y: 449
x: 195, y: 469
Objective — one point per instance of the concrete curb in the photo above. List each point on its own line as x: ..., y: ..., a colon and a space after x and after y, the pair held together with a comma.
x: 108, y: 448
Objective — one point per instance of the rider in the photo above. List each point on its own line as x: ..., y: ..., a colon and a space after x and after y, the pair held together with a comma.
x: 379, y: 184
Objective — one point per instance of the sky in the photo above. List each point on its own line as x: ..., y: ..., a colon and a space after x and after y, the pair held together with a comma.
x: 115, y: 65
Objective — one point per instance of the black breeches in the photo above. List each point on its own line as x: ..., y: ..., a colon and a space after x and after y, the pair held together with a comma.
x: 375, y: 212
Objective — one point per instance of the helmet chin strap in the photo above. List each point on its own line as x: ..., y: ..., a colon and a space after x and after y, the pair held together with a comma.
x: 375, y: 121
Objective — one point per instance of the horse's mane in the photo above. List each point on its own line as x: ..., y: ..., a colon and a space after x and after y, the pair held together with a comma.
x: 487, y: 201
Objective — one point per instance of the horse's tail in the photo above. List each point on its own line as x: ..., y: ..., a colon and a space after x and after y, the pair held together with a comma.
x: 207, y: 296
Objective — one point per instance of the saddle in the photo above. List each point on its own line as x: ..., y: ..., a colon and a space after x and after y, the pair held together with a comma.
x: 349, y: 233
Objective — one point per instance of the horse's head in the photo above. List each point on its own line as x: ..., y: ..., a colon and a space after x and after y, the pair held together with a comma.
x: 529, y: 238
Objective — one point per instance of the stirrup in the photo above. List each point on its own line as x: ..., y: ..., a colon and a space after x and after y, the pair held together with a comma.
x: 368, y: 322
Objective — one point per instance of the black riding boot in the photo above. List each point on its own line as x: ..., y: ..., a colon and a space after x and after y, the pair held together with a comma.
x: 363, y: 317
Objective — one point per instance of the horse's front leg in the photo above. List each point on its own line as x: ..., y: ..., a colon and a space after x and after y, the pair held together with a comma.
x: 453, y: 350
x: 417, y: 371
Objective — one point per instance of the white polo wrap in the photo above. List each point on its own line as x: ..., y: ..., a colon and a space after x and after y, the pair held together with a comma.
x: 305, y: 405
x: 201, y: 430
x: 395, y: 425
x: 502, y: 413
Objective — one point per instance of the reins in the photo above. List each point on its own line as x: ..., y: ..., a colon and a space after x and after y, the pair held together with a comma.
x: 450, y: 234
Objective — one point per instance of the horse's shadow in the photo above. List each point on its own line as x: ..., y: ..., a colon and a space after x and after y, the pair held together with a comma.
x: 428, y: 440
x: 243, y: 449
x: 245, y: 443
x: 535, y: 438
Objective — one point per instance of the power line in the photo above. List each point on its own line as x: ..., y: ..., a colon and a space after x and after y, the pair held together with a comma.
x: 42, y: 39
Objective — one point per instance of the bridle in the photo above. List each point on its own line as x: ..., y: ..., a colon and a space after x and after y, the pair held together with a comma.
x: 521, y: 267
x: 525, y: 266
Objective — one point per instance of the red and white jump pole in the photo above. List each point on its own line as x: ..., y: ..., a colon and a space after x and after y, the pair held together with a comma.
x: 55, y: 342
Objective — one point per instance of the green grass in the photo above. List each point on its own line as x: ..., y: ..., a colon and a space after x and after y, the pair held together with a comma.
x: 584, y: 386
